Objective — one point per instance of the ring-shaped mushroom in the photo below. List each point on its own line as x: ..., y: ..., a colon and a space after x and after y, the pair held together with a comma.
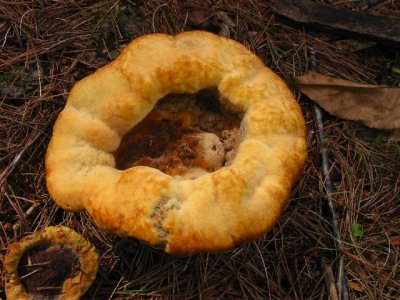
x: 212, y: 212
x: 75, y: 264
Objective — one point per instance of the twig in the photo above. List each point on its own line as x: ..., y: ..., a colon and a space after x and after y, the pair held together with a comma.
x: 46, y: 288
x: 37, y: 264
x: 28, y: 212
x: 30, y: 274
x: 116, y: 287
x: 8, y: 170
x: 5, y: 39
x: 153, y: 18
x: 341, y: 276
x: 330, y: 281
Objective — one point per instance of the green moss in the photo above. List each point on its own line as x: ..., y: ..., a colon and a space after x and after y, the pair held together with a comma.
x: 13, y: 76
x: 15, y: 79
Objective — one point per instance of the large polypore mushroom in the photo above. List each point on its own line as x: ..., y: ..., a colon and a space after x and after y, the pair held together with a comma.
x: 180, y: 184
x: 57, y: 263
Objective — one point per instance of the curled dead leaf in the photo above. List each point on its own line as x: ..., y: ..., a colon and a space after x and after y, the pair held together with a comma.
x: 375, y: 106
x: 355, y: 286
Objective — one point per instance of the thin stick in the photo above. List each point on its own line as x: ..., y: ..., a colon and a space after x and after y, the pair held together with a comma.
x: 36, y: 264
x: 341, y: 276
x: 46, y: 288
x: 30, y: 274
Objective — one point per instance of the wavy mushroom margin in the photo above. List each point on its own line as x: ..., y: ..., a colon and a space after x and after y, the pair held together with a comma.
x: 213, y: 212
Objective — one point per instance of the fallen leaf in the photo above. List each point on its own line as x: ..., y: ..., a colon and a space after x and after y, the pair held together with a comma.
x: 355, y: 286
x: 351, y: 45
x: 375, y: 106
x: 395, y: 241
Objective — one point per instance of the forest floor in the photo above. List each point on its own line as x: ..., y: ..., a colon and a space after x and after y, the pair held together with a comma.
x: 47, y: 46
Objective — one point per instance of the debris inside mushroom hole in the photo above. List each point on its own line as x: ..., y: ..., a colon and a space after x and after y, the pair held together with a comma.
x: 43, y: 269
x: 185, y: 136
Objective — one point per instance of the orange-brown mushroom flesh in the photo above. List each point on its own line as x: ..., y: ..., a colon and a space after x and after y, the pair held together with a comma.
x: 184, y: 135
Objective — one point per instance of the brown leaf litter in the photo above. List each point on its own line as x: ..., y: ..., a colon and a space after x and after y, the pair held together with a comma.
x: 376, y: 106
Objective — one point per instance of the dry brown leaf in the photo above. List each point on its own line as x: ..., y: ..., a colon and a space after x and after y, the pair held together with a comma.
x: 355, y: 286
x: 395, y: 241
x: 375, y: 106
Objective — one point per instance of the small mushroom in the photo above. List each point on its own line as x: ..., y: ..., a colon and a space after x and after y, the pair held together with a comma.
x: 57, y: 263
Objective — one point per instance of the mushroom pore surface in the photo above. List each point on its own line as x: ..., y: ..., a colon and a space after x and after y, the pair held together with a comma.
x: 185, y: 136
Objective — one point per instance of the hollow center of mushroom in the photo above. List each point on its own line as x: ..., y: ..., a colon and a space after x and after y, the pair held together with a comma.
x: 185, y: 136
x: 44, y: 269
